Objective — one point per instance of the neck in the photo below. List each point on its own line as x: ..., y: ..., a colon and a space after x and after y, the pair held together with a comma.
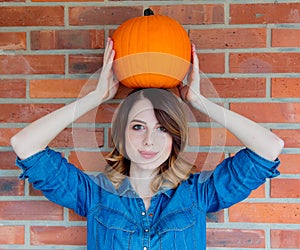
x: 141, y: 182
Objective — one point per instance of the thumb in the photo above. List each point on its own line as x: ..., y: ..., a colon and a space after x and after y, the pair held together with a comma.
x: 183, y: 90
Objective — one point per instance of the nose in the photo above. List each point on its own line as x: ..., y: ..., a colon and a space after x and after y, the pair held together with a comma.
x: 148, y: 140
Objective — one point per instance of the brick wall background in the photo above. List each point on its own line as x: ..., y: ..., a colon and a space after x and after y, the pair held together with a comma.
x: 250, y: 54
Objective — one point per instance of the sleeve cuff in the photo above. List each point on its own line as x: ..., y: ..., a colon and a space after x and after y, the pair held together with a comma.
x: 39, y: 165
x: 267, y: 167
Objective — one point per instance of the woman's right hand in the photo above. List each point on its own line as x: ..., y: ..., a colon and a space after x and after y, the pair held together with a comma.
x: 191, y: 91
x: 107, y: 86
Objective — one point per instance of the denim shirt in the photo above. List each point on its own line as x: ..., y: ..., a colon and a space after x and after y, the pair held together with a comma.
x: 117, y: 219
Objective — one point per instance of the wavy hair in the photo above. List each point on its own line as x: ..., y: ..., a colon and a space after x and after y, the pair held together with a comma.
x: 170, y: 114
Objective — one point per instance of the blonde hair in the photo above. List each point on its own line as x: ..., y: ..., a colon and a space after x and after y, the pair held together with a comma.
x: 170, y: 114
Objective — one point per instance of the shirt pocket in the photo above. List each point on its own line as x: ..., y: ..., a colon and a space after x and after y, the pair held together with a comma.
x: 176, y: 230
x: 113, y: 230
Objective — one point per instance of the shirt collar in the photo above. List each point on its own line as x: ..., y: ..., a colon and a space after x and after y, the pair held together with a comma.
x: 126, y: 189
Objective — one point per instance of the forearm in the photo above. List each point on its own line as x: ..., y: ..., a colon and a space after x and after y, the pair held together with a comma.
x: 37, y: 135
x: 252, y: 135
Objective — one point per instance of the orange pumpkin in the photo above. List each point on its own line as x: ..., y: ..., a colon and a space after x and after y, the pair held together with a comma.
x: 152, y: 51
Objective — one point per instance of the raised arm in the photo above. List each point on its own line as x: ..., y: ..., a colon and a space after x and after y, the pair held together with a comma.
x: 252, y: 135
x: 37, y: 135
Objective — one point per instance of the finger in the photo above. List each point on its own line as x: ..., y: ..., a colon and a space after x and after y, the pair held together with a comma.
x: 108, y: 61
x: 183, y: 89
x: 108, y: 49
x: 195, y: 59
x: 180, y: 86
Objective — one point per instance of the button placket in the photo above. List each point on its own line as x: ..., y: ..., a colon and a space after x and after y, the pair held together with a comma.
x: 144, y: 225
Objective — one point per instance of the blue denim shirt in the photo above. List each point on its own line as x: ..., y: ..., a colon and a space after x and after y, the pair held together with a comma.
x: 117, y: 219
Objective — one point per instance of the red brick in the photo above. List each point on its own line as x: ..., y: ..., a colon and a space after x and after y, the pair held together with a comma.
x: 285, y: 239
x: 287, y: 62
x: 102, y: 114
x: 212, y: 62
x: 34, y: 192
x: 212, y: 137
x: 68, y: 88
x: 79, y: 137
x: 25, y: 112
x: 229, y: 38
x: 6, y: 134
x: 122, y: 92
x: 12, y: 1
x: 233, y: 87
x: 285, y: 188
x: 12, y: 235
x: 82, y: 64
x: 75, y: 217
x: 67, y: 39
x: 264, y: 13
x: 7, y: 160
x: 32, y: 64
x: 290, y: 163
x: 88, y: 161
x: 107, y: 15
x: 30, y: 210
x: 60, y: 88
x: 56, y: 235
x: 287, y: 213
x: 240, y: 238
x: 285, y: 38
x: 258, y: 193
x: 192, y: 14
x: 291, y: 137
x: 204, y: 161
x: 67, y: 1
x: 12, y: 40
x: 285, y: 87
x: 32, y: 16
x: 12, y: 88
x: 269, y: 112
x: 11, y: 186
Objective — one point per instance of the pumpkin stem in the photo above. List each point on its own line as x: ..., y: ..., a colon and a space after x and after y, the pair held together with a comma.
x: 148, y: 12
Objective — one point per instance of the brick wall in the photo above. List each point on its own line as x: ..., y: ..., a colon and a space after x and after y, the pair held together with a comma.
x: 250, y: 55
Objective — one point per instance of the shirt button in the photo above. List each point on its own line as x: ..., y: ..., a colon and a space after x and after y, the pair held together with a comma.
x: 145, y: 248
x: 146, y: 230
x: 143, y: 213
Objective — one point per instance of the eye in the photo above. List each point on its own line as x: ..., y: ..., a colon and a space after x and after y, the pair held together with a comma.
x: 162, y: 129
x: 138, y: 127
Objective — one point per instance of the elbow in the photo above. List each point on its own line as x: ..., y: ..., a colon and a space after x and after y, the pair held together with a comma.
x: 277, y: 148
x: 14, y: 144
x: 17, y: 147
x: 280, y: 146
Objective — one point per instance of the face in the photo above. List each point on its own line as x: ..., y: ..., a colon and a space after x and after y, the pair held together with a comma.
x: 147, y: 143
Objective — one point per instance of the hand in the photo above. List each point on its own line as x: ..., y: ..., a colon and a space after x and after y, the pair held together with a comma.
x: 107, y: 86
x: 191, y: 91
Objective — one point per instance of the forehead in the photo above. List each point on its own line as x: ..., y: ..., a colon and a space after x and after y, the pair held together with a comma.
x: 141, y: 107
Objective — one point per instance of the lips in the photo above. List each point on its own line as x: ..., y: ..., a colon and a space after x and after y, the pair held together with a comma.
x: 147, y: 154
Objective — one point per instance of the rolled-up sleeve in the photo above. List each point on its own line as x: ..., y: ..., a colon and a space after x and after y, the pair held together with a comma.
x: 234, y: 179
x: 60, y: 181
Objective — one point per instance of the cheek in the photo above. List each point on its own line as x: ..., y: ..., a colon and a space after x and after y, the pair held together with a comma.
x: 132, y: 139
x: 132, y: 142
x: 166, y: 143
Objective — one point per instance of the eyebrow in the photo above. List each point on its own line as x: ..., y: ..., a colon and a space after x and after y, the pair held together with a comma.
x: 136, y: 120
x: 140, y: 121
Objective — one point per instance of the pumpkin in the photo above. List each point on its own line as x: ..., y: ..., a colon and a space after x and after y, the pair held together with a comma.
x: 152, y: 51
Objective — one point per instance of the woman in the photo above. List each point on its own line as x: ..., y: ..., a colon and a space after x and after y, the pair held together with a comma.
x: 148, y: 197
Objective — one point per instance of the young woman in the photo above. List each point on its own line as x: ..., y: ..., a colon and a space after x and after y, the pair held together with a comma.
x: 148, y: 197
